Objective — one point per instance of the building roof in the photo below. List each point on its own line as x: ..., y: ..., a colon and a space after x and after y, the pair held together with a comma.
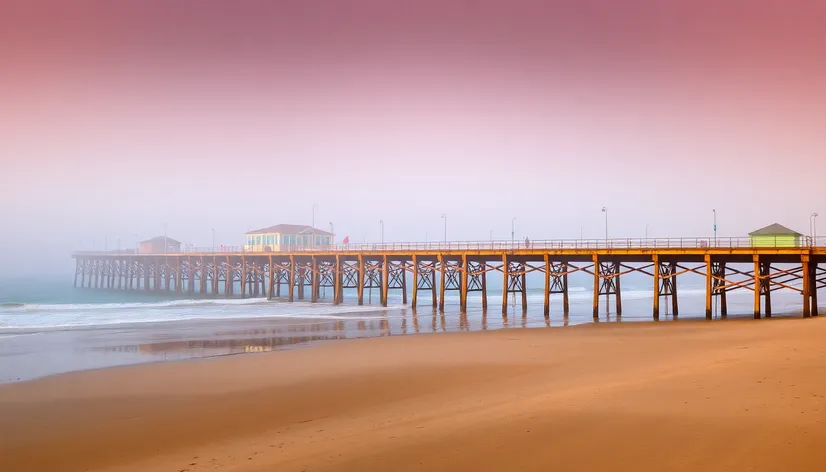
x: 290, y: 229
x: 159, y: 239
x: 775, y: 230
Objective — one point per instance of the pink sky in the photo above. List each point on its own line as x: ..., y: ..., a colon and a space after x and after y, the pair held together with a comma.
x: 119, y: 116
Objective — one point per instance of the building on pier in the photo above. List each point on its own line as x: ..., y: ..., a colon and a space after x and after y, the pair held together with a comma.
x: 775, y: 235
x: 159, y: 245
x: 285, y: 237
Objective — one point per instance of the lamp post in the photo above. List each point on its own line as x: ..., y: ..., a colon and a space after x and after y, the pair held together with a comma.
x: 714, y: 213
x: 213, y: 239
x: 332, y: 234
x: 313, y: 221
x: 605, y: 210
x: 513, y: 231
x: 813, y: 228
x: 444, y: 217
x: 381, y: 223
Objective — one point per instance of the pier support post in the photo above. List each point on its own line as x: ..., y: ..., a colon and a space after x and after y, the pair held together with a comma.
x: 385, y: 280
x: 433, y: 287
x: 338, y: 296
x: 675, y: 305
x: 656, y: 259
x: 813, y: 287
x: 719, y: 286
x: 77, y: 269
x: 807, y: 285
x: 403, y: 275
x: 505, y: 277
x: 524, y: 289
x: 547, y: 307
x: 596, y: 287
x: 244, y: 277
x: 415, y: 282
x: 291, y: 285
x: 158, y: 275
x: 757, y: 286
x: 315, y: 281
x: 145, y: 263
x: 709, y: 285
x: 441, y: 284
x: 302, y: 277
x: 484, y: 276
x: 270, y: 292
x: 765, y: 285
x: 361, y: 281
x: 178, y: 276
x: 618, y: 288
x: 463, y: 281
x: 565, y: 304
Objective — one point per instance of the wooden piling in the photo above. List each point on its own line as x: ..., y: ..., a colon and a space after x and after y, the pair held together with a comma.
x: 441, y: 284
x: 675, y: 306
x: 463, y: 281
x: 83, y: 266
x: 272, y: 278
x: 361, y: 281
x: 385, y: 280
x: 767, y: 288
x: 338, y: 296
x: 403, y: 269
x: 756, y: 259
x: 709, y: 286
x: 618, y: 295
x: 596, y: 287
x: 433, y: 288
x: 415, y: 282
x: 813, y: 287
x: 807, y: 275
x: 291, y: 281
x: 547, y: 286
x: 315, y: 281
x: 565, y: 305
x: 656, y: 259
x: 505, y: 276
x: 484, y: 276
x: 524, y: 289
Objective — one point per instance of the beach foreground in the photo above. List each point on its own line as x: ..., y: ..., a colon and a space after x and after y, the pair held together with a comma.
x: 737, y: 395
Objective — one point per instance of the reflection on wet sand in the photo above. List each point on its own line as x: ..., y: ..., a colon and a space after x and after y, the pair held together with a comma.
x: 225, y: 342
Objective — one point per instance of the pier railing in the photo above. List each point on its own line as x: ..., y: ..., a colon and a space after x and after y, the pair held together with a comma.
x: 514, y: 245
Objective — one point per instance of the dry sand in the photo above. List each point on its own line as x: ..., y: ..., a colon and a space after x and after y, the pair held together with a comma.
x: 736, y: 395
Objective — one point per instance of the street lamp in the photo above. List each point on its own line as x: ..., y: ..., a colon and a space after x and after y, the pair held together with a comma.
x: 513, y: 230
x: 313, y: 222
x: 813, y: 228
x: 605, y: 210
x: 332, y: 233
x: 381, y: 222
x: 714, y: 212
x: 444, y: 217
x: 213, y: 239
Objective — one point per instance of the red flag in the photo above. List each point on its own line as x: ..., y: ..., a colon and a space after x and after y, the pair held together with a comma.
x: 346, y: 240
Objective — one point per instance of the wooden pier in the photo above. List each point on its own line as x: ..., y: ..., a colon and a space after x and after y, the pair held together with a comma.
x: 439, y: 268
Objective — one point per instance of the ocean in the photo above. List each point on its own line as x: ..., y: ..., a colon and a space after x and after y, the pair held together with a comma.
x: 48, y: 327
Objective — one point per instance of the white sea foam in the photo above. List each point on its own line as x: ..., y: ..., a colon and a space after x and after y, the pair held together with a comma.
x: 37, y: 316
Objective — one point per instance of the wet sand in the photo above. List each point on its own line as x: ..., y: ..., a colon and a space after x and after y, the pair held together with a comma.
x: 735, y: 395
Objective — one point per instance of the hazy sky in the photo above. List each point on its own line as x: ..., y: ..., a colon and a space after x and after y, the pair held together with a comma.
x: 118, y: 117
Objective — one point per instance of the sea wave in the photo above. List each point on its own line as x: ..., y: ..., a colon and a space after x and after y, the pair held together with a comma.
x: 31, y: 307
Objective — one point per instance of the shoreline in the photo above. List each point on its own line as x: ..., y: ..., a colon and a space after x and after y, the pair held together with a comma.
x: 30, y: 353
x: 519, y: 399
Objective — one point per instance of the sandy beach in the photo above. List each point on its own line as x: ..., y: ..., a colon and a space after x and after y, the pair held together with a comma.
x: 735, y: 395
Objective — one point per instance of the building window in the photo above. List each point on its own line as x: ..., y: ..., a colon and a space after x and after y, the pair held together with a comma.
x: 275, y: 238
